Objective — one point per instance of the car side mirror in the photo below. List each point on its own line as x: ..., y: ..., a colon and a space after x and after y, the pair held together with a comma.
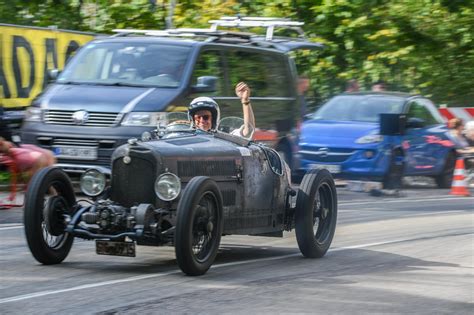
x: 415, y: 122
x: 53, y: 74
x: 392, y: 124
x: 205, y: 84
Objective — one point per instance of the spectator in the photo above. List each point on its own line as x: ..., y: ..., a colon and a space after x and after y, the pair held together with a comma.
x: 352, y: 86
x: 379, y: 86
x: 456, y: 128
x: 28, y: 158
x: 469, y: 133
x: 302, y: 88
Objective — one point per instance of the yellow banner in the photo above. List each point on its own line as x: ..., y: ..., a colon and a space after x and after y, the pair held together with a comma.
x: 26, y: 54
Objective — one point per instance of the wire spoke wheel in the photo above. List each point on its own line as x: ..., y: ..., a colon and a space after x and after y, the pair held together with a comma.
x: 316, y: 213
x: 322, y: 213
x: 49, y: 199
x: 199, y: 226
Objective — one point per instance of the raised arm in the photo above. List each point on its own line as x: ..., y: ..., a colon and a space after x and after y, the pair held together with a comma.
x: 243, y: 92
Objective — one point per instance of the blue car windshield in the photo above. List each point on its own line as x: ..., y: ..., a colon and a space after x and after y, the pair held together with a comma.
x: 127, y: 64
x: 359, y: 107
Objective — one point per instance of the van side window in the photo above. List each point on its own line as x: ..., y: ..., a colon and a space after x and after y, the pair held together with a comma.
x: 264, y: 73
x: 418, y: 110
x: 209, y: 63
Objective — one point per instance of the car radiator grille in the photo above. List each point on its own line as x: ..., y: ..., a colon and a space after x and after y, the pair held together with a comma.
x: 133, y: 183
x: 95, y: 119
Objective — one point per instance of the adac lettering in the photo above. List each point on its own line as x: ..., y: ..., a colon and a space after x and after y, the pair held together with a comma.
x: 26, y: 55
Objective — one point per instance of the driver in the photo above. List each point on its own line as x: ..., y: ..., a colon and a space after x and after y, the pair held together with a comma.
x: 204, y: 111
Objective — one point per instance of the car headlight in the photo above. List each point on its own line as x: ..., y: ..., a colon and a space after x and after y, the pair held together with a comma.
x: 93, y: 182
x: 167, y: 186
x: 33, y: 114
x: 370, y: 139
x: 147, y: 119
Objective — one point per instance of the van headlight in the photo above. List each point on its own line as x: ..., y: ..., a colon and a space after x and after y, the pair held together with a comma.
x: 93, y: 182
x: 370, y: 139
x: 146, y: 119
x: 33, y: 114
x: 167, y: 186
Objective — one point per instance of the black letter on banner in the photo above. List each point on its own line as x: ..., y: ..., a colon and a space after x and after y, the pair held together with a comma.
x: 20, y: 42
x: 51, y: 51
x: 71, y: 49
x: 3, y: 79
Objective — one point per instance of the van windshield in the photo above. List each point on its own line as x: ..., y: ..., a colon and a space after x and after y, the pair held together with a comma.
x: 134, y: 64
x: 359, y: 107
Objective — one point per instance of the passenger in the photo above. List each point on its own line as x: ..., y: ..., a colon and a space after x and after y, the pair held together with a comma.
x: 28, y: 158
x: 456, y: 128
x: 352, y: 86
x: 379, y: 86
x: 204, y: 111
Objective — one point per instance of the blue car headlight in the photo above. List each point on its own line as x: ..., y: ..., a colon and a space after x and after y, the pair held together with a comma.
x: 369, y: 139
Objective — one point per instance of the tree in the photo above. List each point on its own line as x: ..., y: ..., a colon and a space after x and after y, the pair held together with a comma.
x: 418, y: 46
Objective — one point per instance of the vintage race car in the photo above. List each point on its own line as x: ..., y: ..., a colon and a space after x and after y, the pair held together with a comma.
x: 185, y: 188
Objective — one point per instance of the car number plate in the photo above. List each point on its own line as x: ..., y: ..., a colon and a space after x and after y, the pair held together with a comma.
x: 115, y: 248
x: 333, y: 168
x: 73, y: 152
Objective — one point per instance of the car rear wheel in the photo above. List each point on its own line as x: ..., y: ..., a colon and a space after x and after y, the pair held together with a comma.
x: 199, y: 226
x: 316, y: 213
x: 49, y: 198
x: 445, y: 179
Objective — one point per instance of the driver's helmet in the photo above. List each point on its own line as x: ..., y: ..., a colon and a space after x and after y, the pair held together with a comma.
x: 204, y: 103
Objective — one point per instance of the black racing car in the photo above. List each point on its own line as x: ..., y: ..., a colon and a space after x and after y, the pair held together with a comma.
x: 184, y: 188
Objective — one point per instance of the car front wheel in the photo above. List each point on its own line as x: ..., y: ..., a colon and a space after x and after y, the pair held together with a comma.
x: 49, y: 199
x: 316, y: 213
x: 199, y: 226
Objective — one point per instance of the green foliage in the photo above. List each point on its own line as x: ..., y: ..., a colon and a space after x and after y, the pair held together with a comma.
x: 63, y: 14
x: 4, y: 178
x: 419, y: 46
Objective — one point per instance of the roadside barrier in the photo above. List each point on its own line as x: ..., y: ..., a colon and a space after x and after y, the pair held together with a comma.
x: 459, y: 185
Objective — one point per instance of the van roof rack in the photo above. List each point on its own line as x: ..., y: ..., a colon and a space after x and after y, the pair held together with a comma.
x: 269, y: 23
x: 214, y: 34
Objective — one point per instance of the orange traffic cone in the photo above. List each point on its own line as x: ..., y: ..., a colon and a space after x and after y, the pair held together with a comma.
x: 459, y: 185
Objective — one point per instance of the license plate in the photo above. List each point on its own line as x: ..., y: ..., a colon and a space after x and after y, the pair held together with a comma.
x: 115, y: 248
x: 77, y: 153
x: 335, y: 169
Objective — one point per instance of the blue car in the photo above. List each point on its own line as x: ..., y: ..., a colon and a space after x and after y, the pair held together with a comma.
x: 348, y: 137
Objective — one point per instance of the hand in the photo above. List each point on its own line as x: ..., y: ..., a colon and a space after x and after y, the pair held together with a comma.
x: 243, y: 91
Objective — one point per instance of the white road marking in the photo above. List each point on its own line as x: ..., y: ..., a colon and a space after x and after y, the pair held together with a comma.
x: 402, y: 200
x: 163, y: 274
x: 10, y: 226
x: 440, y: 212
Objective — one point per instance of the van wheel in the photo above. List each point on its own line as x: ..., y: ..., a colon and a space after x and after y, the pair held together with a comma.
x: 445, y: 179
x: 316, y: 213
x: 199, y: 225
